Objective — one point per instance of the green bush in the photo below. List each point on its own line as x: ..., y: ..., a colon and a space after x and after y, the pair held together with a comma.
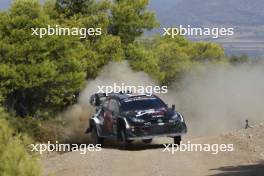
x: 14, y: 157
x: 31, y: 127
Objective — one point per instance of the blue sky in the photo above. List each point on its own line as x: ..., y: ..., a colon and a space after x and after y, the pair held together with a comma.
x: 4, y: 4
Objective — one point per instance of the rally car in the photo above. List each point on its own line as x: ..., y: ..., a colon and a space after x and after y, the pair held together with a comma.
x: 127, y: 117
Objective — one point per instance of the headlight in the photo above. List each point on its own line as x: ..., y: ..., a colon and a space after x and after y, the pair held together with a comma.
x: 182, y: 119
x: 137, y: 120
x: 175, y: 116
x: 178, y: 116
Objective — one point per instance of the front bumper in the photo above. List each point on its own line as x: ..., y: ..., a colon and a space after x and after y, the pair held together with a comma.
x: 156, y: 130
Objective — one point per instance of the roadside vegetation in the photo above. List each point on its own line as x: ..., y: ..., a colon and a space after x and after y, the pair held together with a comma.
x: 14, y: 152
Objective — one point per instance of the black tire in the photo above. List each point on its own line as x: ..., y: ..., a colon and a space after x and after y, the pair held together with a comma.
x: 95, y: 137
x: 177, y: 140
x: 124, y: 143
x: 147, y: 141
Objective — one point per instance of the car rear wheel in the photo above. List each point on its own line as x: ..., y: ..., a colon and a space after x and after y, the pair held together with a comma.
x: 124, y: 143
x: 147, y: 141
x: 177, y: 140
x: 95, y: 137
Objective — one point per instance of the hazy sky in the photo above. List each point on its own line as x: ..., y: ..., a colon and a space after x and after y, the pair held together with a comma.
x: 4, y: 4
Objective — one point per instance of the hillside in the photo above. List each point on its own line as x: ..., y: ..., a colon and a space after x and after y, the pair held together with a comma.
x: 196, y: 12
x: 245, y: 16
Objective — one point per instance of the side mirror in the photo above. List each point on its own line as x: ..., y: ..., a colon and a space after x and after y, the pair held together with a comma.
x: 95, y: 100
x: 173, y: 107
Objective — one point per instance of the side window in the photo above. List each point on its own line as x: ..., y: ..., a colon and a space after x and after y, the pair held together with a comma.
x: 105, y: 104
x: 113, y: 106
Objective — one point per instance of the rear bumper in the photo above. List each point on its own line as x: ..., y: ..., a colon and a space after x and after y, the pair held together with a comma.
x: 154, y: 131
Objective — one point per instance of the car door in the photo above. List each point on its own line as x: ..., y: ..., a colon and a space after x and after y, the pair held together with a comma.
x: 105, y: 115
x: 110, y: 111
x: 114, y: 109
x: 108, y: 119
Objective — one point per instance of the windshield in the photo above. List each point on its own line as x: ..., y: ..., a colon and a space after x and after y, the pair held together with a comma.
x: 142, y: 104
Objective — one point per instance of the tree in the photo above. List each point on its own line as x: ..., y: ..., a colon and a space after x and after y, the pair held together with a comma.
x: 129, y: 19
x: 166, y: 59
x: 235, y: 60
x: 100, y: 48
x: 83, y: 7
x: 38, y: 74
x: 144, y: 59
x: 71, y: 7
x: 205, y: 51
x: 173, y: 58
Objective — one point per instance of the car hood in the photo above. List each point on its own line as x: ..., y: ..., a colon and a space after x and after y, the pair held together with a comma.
x: 150, y: 113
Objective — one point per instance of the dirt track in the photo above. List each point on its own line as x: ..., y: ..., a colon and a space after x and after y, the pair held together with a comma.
x: 143, y: 160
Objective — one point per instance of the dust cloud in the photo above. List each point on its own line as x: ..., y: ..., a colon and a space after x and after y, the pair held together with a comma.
x: 213, y: 99
x: 218, y: 99
x: 115, y: 72
x: 76, y: 117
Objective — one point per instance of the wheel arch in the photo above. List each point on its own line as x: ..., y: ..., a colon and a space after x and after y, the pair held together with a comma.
x: 121, y: 125
x: 93, y: 124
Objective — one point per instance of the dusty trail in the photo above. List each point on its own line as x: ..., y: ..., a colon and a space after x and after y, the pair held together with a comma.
x: 217, y: 88
x: 143, y: 160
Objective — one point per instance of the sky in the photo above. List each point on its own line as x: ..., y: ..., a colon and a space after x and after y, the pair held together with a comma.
x: 4, y: 4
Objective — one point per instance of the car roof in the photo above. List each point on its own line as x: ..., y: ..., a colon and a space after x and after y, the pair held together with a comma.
x: 123, y: 96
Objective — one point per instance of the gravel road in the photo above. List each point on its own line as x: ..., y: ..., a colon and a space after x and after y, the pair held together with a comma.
x: 247, y: 159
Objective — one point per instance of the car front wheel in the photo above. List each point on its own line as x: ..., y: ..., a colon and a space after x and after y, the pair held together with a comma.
x: 95, y: 137
x: 177, y: 140
x: 125, y: 144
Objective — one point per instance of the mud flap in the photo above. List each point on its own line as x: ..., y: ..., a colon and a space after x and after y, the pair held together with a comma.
x: 88, y: 130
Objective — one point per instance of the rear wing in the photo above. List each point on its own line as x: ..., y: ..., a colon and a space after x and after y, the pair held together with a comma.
x: 97, y: 99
